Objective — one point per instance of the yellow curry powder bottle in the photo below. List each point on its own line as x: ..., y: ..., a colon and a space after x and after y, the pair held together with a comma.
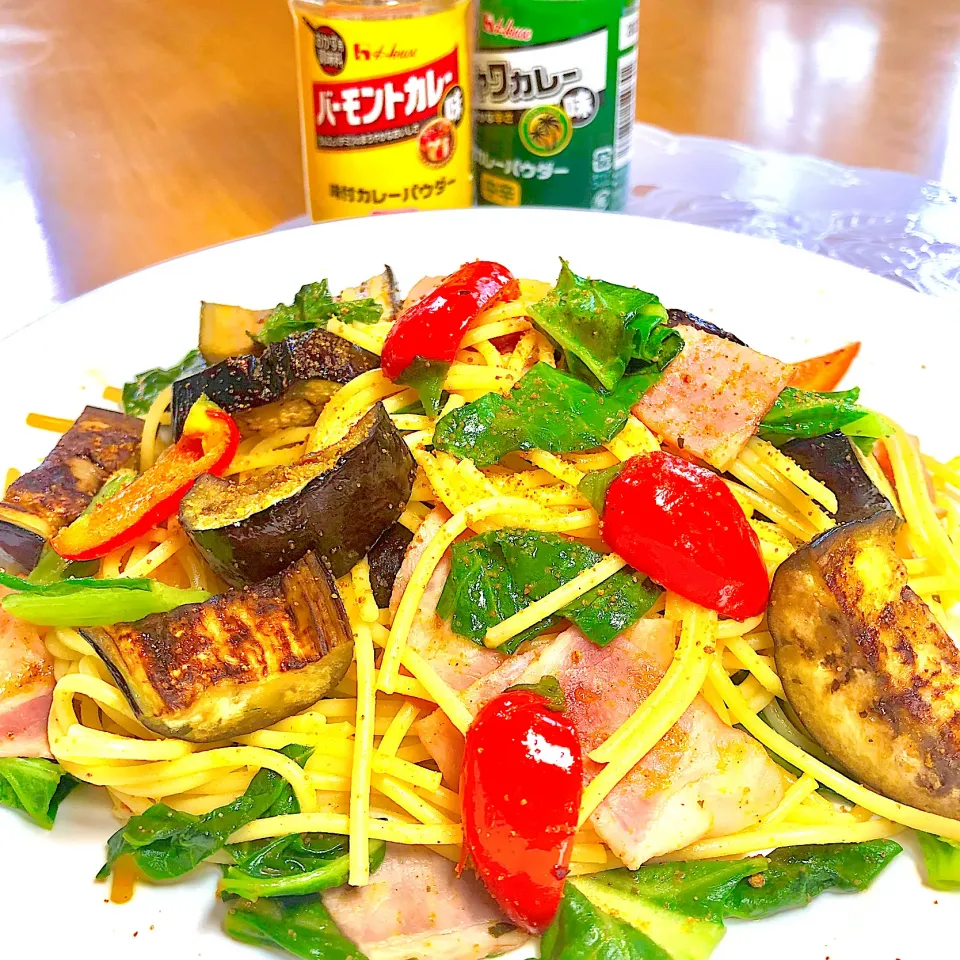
x: 385, y: 108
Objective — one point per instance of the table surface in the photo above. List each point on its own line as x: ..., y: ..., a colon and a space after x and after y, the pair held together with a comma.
x: 135, y: 130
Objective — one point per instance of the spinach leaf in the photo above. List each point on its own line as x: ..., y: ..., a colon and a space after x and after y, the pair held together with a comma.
x: 581, y: 931
x: 942, y: 861
x: 595, y: 484
x: 758, y: 886
x: 139, y: 394
x: 87, y: 602
x: 700, y: 888
x: 547, y: 410
x: 295, y: 865
x: 282, y: 855
x: 287, y: 801
x: 480, y: 591
x: 166, y: 843
x: 867, y: 430
x: 299, y: 925
x: 35, y: 786
x: 681, y: 906
x: 52, y: 568
x: 806, y: 414
x: 313, y: 307
x: 426, y: 377
x: 795, y: 875
x: 366, y: 310
x: 498, y: 573
x: 284, y: 321
x: 682, y: 936
x: 542, y: 562
x: 69, y: 588
x: 602, y: 327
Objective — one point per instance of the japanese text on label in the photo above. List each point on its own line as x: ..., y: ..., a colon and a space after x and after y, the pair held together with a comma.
x: 386, y: 109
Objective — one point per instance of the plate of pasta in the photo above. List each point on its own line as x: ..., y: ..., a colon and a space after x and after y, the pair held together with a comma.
x: 523, y: 583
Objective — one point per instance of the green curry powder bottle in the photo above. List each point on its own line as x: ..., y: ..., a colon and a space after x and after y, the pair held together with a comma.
x: 555, y: 99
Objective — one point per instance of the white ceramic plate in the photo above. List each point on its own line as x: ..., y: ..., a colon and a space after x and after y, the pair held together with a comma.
x: 784, y: 302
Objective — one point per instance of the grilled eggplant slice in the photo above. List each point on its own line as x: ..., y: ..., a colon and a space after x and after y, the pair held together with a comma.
x: 299, y: 407
x: 236, y: 663
x: 832, y: 460
x: 866, y: 666
x: 382, y: 288
x: 241, y: 383
x: 41, y: 502
x: 681, y: 318
x: 385, y: 559
x: 20, y: 546
x: 227, y: 331
x: 234, y: 384
x: 336, y: 503
x: 243, y: 378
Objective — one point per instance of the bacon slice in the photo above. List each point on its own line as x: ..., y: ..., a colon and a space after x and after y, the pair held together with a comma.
x: 415, y: 906
x: 420, y: 289
x: 712, y: 397
x: 442, y: 740
x: 703, y: 779
x: 26, y: 689
x: 458, y: 661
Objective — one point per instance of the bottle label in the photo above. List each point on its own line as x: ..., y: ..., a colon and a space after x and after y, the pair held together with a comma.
x: 554, y: 110
x: 387, y: 115
x: 573, y: 73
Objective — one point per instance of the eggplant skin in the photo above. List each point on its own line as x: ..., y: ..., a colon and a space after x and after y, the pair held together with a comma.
x: 236, y: 663
x: 20, y: 548
x: 226, y: 331
x: 832, y: 460
x: 336, y: 503
x: 681, y: 318
x: 252, y: 380
x: 866, y: 666
x: 385, y: 559
x: 99, y: 443
x: 382, y: 288
x: 299, y: 407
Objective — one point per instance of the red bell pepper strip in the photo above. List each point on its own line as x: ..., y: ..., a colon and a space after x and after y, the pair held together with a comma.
x: 824, y: 373
x: 680, y: 524
x: 520, y: 793
x: 425, y: 338
x: 882, y: 455
x: 207, y: 445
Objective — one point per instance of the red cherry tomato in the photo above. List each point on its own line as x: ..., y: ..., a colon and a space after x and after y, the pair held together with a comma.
x: 520, y: 797
x: 433, y: 327
x: 680, y: 524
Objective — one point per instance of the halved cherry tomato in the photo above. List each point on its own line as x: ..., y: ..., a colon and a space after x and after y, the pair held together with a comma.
x: 520, y: 797
x: 207, y: 445
x: 680, y: 524
x: 425, y: 338
x: 825, y: 372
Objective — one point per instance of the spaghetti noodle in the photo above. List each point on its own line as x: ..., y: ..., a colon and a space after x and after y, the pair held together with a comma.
x: 369, y: 775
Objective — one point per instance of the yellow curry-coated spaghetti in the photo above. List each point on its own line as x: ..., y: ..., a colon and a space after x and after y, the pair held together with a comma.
x: 205, y: 776
x: 370, y: 776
